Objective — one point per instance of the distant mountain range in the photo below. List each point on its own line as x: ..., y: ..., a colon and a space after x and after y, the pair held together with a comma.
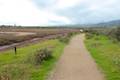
x: 114, y: 23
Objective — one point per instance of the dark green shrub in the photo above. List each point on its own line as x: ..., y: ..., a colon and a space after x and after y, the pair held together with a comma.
x: 117, y: 34
x: 70, y: 34
x: 64, y: 39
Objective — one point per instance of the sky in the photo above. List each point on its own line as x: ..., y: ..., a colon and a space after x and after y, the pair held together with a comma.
x: 57, y: 12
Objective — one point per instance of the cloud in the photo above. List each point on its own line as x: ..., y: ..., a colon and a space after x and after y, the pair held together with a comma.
x: 63, y: 4
x: 25, y: 12
x: 92, y: 11
x: 41, y: 12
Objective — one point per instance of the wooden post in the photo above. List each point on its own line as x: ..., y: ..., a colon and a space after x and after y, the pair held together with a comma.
x: 15, y: 49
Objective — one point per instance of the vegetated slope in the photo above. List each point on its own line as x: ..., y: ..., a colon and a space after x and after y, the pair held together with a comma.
x: 106, y: 52
x: 113, y: 23
x: 76, y: 63
x: 22, y: 66
x: 110, y: 23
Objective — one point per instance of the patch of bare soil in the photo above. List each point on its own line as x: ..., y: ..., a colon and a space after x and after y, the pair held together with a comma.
x: 29, y: 42
x: 18, y: 33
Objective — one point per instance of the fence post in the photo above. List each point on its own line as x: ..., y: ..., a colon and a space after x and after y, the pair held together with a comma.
x: 15, y: 49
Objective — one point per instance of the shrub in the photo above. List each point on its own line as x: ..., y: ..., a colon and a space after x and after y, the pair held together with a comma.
x: 113, y: 33
x: 116, y: 60
x: 117, y: 34
x: 42, y: 54
x: 89, y: 35
x: 66, y: 38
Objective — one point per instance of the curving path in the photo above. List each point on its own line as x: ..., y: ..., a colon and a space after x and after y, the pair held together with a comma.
x: 76, y: 63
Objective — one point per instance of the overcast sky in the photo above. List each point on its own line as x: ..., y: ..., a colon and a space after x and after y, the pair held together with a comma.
x: 58, y: 12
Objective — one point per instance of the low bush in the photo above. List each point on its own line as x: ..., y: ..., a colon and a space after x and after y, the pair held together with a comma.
x: 117, y: 34
x: 42, y: 55
x: 112, y: 33
x: 66, y: 38
x: 89, y: 35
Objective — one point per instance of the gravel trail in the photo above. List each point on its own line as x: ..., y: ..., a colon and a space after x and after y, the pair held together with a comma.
x: 76, y: 63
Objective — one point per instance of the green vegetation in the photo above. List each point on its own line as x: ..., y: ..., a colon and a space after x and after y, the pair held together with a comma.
x: 22, y: 67
x: 42, y: 55
x: 113, y: 32
x: 65, y: 39
x: 106, y: 54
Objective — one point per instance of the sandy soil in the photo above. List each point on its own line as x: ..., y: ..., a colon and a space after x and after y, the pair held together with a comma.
x: 76, y: 63
x: 18, y: 33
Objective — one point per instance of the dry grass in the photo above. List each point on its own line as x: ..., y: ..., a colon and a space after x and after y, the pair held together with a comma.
x: 22, y: 34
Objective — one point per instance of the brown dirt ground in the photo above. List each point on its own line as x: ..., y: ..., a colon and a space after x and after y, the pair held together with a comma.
x: 28, y: 42
x: 18, y: 33
x: 76, y: 63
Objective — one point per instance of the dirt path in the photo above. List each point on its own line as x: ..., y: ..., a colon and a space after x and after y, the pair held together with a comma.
x: 76, y: 63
